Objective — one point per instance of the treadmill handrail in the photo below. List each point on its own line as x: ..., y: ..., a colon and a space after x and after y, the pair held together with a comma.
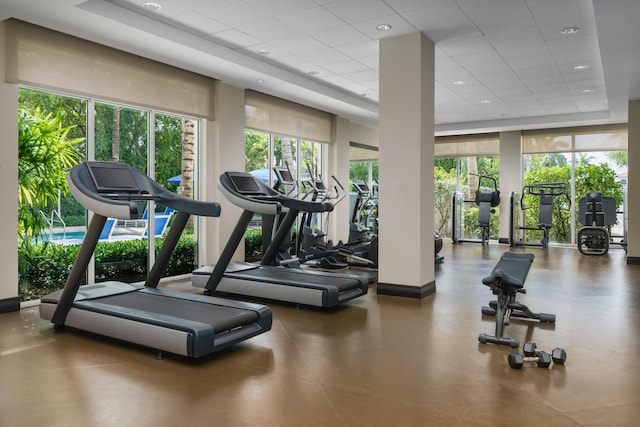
x: 265, y: 200
x: 121, y: 205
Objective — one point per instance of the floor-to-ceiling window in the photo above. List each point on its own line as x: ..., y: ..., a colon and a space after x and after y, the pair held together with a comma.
x: 159, y: 144
x: 363, y: 186
x: 265, y: 152
x: 283, y: 134
x: 587, y: 160
x: 465, y: 165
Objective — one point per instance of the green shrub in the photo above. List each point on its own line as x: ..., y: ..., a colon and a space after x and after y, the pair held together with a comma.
x: 44, y: 267
x: 253, y: 244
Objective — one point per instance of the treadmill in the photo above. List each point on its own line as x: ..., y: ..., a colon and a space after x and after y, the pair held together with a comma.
x: 175, y: 322
x: 266, y: 280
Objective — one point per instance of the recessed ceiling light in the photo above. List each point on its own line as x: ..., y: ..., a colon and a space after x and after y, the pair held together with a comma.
x: 485, y: 101
x: 580, y: 67
x: 366, y: 94
x: 458, y: 83
x: 383, y: 27
x: 588, y: 90
x: 569, y: 30
x: 313, y: 73
x: 264, y: 52
x: 154, y: 7
x: 260, y: 81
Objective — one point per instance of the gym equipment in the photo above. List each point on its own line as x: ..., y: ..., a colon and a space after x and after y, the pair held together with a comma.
x: 486, y: 202
x: 517, y: 360
x: 597, y: 213
x: 546, y: 193
x: 506, y: 280
x: 325, y: 257
x: 175, y: 322
x: 558, y: 354
x: 542, y: 359
x: 360, y: 251
x: 267, y: 280
x: 364, y: 219
x: 437, y: 241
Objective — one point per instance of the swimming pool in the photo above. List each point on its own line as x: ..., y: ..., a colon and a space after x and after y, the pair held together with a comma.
x: 67, y: 235
x: 52, y: 237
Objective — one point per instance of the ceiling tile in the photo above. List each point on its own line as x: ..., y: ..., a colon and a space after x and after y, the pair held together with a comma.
x: 311, y: 20
x: 352, y: 11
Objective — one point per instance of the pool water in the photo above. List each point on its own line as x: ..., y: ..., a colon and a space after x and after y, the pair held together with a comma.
x: 63, y: 236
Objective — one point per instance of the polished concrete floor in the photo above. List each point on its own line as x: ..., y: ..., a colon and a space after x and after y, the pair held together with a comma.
x: 377, y: 361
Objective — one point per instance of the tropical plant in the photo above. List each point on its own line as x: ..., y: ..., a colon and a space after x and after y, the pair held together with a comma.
x: 45, y: 154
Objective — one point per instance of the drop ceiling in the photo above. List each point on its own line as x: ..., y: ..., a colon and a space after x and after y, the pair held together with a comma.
x: 500, y: 64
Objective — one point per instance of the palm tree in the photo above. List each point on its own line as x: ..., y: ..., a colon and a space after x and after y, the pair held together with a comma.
x: 188, y: 154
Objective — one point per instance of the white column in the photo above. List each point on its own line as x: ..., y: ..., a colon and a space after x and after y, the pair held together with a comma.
x: 338, y: 165
x: 633, y: 184
x: 223, y: 150
x: 406, y: 250
x: 510, y: 177
x: 9, y: 184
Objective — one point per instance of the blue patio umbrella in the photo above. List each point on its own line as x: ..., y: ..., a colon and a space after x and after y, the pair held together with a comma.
x: 175, y: 179
x: 262, y: 174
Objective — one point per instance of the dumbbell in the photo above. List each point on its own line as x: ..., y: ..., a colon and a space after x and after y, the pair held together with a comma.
x: 558, y: 354
x: 541, y: 358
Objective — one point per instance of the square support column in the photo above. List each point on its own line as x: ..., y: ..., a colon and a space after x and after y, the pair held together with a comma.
x: 633, y: 186
x: 510, y: 178
x: 406, y: 213
x: 223, y: 150
x: 9, y: 300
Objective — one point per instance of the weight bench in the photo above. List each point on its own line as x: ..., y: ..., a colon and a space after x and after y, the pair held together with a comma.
x: 506, y: 280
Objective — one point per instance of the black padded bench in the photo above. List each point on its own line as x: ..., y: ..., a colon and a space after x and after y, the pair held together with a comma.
x: 506, y: 280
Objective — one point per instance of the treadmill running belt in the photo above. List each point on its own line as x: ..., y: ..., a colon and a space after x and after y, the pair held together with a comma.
x: 296, y: 277
x: 221, y: 319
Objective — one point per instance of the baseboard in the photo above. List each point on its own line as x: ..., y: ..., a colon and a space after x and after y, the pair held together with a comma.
x: 9, y: 304
x: 406, y: 291
x: 633, y: 260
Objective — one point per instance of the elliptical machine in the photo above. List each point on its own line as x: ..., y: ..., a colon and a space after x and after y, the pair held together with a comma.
x: 486, y: 202
x: 361, y: 250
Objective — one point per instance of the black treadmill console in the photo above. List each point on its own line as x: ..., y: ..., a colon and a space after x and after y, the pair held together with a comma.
x: 245, y: 184
x: 284, y: 174
x: 112, y: 178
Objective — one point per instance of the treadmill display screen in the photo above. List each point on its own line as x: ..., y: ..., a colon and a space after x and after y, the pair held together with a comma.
x: 112, y: 177
x: 245, y: 184
x: 285, y: 174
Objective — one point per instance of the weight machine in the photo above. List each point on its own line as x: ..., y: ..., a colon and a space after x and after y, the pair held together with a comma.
x: 486, y: 201
x: 546, y: 193
x: 597, y: 213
